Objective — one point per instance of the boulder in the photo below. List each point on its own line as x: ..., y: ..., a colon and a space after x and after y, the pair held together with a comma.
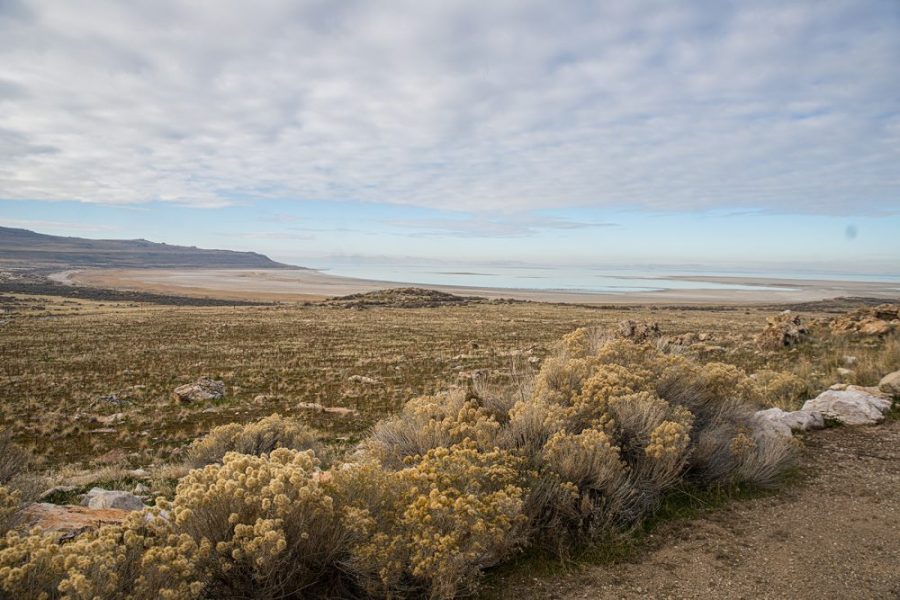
x: 782, y: 331
x: 890, y: 384
x: 362, y: 379
x: 199, y: 391
x: 100, y: 498
x: 69, y: 520
x: 798, y: 420
x: 852, y: 405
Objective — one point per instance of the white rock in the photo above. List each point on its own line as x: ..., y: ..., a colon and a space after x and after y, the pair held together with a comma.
x: 100, y: 498
x: 850, y: 406
x: 772, y: 427
x: 199, y: 391
x: 798, y: 420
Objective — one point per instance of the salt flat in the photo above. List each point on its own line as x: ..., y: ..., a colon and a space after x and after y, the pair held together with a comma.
x: 307, y: 285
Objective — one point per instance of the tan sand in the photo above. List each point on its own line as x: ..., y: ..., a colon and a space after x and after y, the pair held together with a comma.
x: 308, y: 285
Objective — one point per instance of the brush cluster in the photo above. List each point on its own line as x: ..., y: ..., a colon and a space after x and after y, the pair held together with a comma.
x: 454, y: 484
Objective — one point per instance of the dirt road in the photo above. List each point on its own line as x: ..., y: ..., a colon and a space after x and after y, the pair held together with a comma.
x: 836, y: 534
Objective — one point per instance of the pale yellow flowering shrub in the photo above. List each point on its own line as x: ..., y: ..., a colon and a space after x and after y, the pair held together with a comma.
x: 9, y: 508
x: 779, y: 388
x: 259, y: 437
x: 436, y: 523
x: 272, y: 527
x: 432, y: 422
x: 142, y: 559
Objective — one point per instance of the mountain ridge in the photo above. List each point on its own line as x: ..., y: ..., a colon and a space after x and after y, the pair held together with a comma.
x: 27, y: 248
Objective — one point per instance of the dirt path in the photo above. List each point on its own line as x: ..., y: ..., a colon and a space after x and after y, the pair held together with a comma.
x: 835, y: 535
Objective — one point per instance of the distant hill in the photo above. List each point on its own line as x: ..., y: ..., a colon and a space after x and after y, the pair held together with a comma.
x: 28, y: 249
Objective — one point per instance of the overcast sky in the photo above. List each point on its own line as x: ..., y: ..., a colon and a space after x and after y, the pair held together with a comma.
x: 516, y: 130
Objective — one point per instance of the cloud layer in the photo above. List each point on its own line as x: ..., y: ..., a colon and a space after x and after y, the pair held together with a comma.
x: 502, y: 106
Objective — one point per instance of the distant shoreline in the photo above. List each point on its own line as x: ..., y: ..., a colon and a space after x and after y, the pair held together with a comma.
x: 290, y: 285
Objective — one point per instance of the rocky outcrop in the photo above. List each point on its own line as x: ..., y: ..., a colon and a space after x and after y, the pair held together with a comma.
x: 201, y: 390
x: 798, y: 420
x: 782, y: 331
x: 851, y: 404
x: 639, y: 331
x: 870, y: 321
x: 99, y: 498
x: 890, y: 384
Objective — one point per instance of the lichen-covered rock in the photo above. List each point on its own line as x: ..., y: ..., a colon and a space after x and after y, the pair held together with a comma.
x: 852, y: 405
x: 798, y: 420
x: 199, y: 391
x: 890, y: 384
x: 99, y: 498
x: 782, y: 331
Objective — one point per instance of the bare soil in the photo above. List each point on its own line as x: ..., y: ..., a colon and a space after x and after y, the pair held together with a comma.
x: 834, y: 534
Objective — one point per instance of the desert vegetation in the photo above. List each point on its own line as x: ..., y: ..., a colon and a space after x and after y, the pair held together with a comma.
x: 480, y: 432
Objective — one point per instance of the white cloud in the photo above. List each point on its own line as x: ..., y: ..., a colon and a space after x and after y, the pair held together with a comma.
x: 503, y: 106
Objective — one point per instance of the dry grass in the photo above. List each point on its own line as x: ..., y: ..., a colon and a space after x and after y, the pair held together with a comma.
x: 509, y: 442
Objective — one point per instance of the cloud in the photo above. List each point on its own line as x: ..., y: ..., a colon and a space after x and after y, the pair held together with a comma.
x: 503, y: 107
x: 57, y: 226
x: 487, y: 226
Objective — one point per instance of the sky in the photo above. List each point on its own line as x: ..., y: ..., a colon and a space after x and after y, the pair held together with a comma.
x: 633, y: 132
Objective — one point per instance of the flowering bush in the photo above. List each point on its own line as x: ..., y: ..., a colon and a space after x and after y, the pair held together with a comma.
x: 453, y: 484
x: 142, y: 559
x: 444, y: 517
x: 271, y: 528
x: 260, y: 437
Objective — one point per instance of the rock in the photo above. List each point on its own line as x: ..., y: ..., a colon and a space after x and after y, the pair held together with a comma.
x: 845, y: 373
x: 140, y: 489
x: 772, y: 427
x: 798, y: 420
x: 638, y: 331
x: 852, y: 405
x: 199, y: 391
x: 782, y: 331
x: 138, y: 474
x: 114, y: 399
x: 332, y: 410
x: 100, y: 498
x: 111, y: 419
x: 870, y: 321
x: 57, y: 489
x: 850, y: 361
x: 340, y: 411
x: 70, y: 520
x: 363, y: 380
x: 890, y: 384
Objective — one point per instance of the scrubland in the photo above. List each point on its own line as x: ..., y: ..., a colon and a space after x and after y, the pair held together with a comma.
x: 480, y: 432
